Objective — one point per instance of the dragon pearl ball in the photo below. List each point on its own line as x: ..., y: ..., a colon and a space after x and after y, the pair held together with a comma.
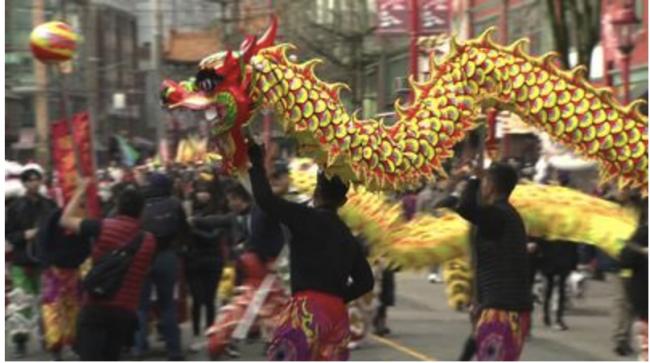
x: 53, y: 42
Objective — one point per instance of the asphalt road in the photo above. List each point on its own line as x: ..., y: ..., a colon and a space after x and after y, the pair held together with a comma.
x: 424, y: 328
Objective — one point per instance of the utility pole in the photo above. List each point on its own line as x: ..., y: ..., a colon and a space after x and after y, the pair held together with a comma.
x: 156, y: 63
x: 65, y: 100
x: 174, y: 15
x: 504, y: 21
x: 505, y: 9
x: 40, y: 96
x: 267, y: 122
x: 415, y: 33
x: 470, y: 19
x: 89, y: 22
x: 156, y: 34
x: 382, y: 97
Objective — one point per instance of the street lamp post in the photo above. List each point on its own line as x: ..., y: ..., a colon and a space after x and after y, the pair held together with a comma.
x: 268, y: 119
x: 625, y: 24
x: 415, y: 33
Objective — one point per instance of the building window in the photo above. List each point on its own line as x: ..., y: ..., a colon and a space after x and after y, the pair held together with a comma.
x: 523, y: 21
x: 397, y: 68
x: 638, y: 7
x: 481, y: 25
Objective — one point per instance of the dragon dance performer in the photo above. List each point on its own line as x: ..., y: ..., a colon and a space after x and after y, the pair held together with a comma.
x: 635, y: 256
x: 503, y: 294
x: 61, y: 290
x: 324, y: 257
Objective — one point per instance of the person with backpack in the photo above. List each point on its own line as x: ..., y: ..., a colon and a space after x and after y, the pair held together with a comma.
x: 205, y: 258
x: 163, y: 216
x: 258, y: 236
x: 121, y: 256
x: 23, y: 217
x: 258, y: 239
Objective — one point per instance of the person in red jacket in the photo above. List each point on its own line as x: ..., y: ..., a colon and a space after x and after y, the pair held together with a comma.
x: 107, y: 326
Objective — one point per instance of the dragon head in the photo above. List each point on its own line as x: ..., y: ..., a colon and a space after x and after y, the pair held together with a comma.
x: 221, y: 89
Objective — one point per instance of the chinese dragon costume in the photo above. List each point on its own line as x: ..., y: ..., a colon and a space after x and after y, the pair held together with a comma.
x: 231, y: 86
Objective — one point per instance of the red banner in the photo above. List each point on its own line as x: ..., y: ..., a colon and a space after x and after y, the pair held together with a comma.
x: 64, y: 160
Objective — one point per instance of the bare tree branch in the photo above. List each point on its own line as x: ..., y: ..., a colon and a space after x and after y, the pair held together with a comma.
x: 583, y: 23
x: 559, y: 29
x: 320, y: 50
x: 338, y: 35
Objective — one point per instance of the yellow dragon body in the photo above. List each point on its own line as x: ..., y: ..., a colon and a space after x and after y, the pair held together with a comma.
x: 231, y: 86
x: 549, y: 212
x: 574, y: 113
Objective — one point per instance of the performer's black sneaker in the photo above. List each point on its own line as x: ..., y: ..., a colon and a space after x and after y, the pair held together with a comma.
x: 20, y: 350
x: 20, y: 345
x: 232, y: 351
x: 623, y: 349
x: 382, y: 331
x: 57, y: 356
x: 560, y: 326
x: 265, y: 350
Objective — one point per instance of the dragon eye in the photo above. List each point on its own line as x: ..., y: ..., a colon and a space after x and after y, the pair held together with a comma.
x: 207, y: 80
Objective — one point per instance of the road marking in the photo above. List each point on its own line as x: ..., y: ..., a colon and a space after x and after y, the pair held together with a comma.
x: 406, y: 350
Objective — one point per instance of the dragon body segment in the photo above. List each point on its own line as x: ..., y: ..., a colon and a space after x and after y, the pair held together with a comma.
x: 552, y: 213
x: 476, y: 73
x: 585, y: 119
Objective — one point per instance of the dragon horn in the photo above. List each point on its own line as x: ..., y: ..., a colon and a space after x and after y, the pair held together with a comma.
x: 247, y: 48
x: 267, y: 39
x: 251, y: 45
x: 229, y: 59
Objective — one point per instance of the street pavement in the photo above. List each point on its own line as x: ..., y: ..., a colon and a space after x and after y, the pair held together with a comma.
x: 425, y: 328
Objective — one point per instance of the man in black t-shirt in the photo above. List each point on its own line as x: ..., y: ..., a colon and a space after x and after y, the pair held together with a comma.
x: 165, y: 218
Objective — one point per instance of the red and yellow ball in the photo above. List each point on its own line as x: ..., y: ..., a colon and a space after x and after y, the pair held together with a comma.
x: 53, y: 42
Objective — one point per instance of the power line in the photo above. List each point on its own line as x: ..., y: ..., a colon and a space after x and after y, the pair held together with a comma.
x: 104, y: 6
x: 197, y: 11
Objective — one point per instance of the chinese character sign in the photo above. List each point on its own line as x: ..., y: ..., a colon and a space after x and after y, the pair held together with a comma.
x: 64, y: 162
x: 393, y: 16
x: 434, y: 16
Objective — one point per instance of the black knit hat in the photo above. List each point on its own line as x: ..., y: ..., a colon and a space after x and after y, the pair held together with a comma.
x: 332, y: 189
x: 280, y: 168
x: 29, y: 173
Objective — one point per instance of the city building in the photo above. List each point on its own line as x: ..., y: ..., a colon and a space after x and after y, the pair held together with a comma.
x: 611, y: 64
x: 104, y: 78
x: 531, y: 19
